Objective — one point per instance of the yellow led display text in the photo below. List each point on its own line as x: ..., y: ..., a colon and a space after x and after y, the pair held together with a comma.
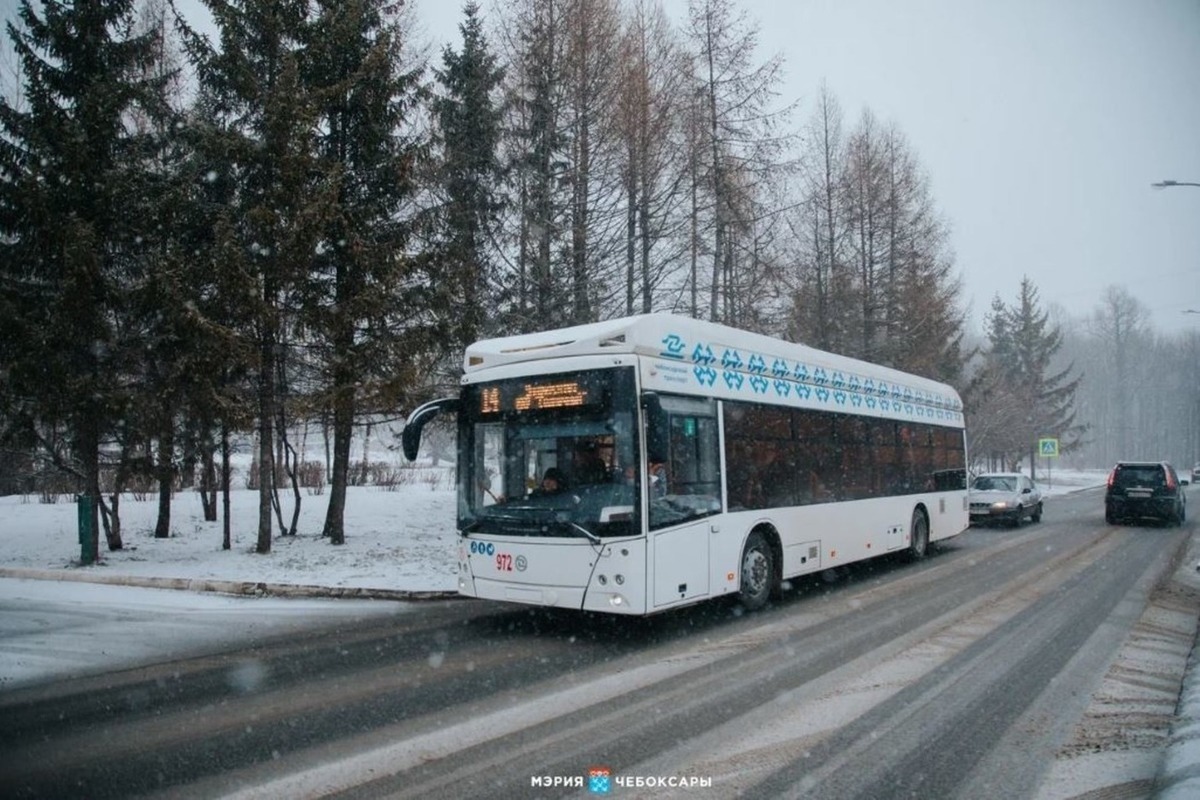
x: 489, y: 401
x: 550, y: 395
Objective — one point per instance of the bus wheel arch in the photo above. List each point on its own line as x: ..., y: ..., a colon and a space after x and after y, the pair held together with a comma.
x: 918, y: 534
x: 760, y: 568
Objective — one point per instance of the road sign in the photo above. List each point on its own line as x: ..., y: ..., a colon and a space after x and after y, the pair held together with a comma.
x: 1048, y: 448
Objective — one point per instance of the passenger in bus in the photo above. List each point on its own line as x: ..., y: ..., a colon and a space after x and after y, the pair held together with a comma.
x: 657, y: 473
x: 658, y: 476
x: 552, y: 483
x: 588, y: 466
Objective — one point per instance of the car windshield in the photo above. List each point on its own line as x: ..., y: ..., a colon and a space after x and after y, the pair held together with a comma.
x: 994, y: 483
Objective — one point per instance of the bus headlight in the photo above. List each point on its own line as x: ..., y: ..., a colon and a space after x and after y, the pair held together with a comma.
x: 616, y: 601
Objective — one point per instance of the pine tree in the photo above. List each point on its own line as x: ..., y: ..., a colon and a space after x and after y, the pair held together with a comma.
x: 220, y: 304
x: 259, y: 138
x: 468, y: 122
x: 1039, y: 398
x: 69, y: 225
x: 366, y: 306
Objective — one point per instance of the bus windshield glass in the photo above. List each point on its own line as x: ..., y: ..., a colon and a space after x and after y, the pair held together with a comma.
x: 550, y: 455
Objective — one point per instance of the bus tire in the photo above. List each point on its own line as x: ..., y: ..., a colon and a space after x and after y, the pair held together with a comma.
x: 918, y: 536
x: 758, y: 572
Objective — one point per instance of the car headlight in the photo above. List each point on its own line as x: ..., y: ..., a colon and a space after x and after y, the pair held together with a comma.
x: 1000, y: 505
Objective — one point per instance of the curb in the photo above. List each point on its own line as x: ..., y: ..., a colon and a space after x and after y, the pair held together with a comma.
x: 242, y: 588
x: 1179, y: 774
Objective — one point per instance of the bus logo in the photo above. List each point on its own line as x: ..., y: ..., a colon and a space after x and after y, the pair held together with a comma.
x: 674, y: 346
x: 483, y: 548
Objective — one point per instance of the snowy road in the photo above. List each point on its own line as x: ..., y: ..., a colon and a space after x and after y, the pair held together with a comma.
x: 994, y: 668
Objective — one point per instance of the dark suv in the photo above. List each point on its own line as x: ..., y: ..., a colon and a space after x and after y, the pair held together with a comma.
x: 1145, y: 489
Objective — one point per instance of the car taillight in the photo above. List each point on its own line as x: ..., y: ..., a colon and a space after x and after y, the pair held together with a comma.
x: 1112, y: 478
x: 1170, y: 481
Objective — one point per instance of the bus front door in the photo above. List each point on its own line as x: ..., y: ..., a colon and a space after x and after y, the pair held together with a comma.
x: 681, y: 562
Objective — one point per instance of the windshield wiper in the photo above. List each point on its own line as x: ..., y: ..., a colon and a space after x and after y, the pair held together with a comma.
x: 593, y: 538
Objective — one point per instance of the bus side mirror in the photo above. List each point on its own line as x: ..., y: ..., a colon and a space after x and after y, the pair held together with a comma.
x: 410, y: 437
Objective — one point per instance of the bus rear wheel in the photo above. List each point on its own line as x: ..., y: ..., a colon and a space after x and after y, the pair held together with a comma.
x: 758, y: 572
x: 918, y: 540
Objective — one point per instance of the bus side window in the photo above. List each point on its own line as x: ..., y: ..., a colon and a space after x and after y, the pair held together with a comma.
x: 684, y: 432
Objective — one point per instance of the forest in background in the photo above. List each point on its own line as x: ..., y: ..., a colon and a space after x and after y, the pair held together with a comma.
x: 302, y: 220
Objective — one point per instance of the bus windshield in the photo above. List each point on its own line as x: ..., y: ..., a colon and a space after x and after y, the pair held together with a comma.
x: 550, y: 455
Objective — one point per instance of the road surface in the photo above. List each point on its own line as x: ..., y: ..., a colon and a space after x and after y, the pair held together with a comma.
x: 1038, y: 662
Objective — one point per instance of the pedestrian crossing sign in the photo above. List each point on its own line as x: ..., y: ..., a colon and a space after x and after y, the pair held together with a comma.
x: 1048, y: 448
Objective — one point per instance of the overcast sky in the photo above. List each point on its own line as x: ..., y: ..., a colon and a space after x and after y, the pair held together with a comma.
x: 1041, y: 123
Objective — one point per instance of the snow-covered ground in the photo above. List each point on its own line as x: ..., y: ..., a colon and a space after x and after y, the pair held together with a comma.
x: 396, y: 539
x: 61, y: 618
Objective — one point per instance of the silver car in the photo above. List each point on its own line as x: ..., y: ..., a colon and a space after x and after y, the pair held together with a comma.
x: 1004, y: 497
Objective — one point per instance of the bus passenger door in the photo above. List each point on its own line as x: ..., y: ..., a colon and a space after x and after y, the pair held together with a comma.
x: 684, y: 495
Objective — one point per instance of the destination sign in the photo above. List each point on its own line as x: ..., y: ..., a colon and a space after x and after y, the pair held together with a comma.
x: 532, y: 396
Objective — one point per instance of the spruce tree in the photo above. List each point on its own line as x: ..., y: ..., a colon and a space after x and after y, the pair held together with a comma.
x: 258, y: 137
x: 468, y: 122
x: 1039, y: 394
x: 70, y: 227
x: 365, y: 305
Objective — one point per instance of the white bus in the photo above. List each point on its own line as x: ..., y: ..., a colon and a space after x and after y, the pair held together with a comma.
x: 688, y: 460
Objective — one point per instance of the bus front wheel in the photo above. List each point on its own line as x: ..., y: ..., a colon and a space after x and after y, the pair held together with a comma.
x: 918, y: 540
x: 758, y: 572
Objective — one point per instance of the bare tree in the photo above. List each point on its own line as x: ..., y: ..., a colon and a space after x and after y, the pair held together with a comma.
x: 743, y: 135
x: 1120, y: 324
x: 532, y: 36
x: 654, y: 168
x: 592, y: 73
x: 819, y: 282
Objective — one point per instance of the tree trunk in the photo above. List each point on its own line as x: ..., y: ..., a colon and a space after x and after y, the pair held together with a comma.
x: 208, y: 481
x: 166, y: 452
x: 226, y: 542
x: 266, y: 438
x: 343, y: 430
